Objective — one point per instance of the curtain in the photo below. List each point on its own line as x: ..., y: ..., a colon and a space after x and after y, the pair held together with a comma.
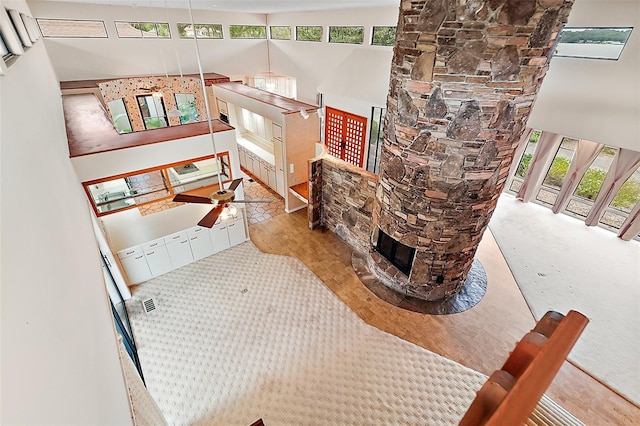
x: 623, y: 166
x: 548, y: 145
x: 586, y: 152
x: 631, y: 227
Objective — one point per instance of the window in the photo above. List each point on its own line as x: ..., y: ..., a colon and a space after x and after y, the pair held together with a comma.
x: 119, y: 115
x: 122, y: 192
x: 71, y: 28
x: 622, y: 204
x: 247, y: 31
x: 201, y: 31
x: 152, y: 111
x: 352, y: 35
x: 590, y: 184
x: 525, y: 162
x: 557, y: 172
x: 592, y: 43
x: 280, y: 33
x: 307, y: 33
x: 376, y: 138
x: 186, y: 103
x: 142, y: 29
x: 384, y: 36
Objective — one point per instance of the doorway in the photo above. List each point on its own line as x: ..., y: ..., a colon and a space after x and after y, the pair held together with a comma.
x: 344, y: 135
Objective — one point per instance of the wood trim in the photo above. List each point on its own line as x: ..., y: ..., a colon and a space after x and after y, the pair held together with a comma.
x: 510, y: 395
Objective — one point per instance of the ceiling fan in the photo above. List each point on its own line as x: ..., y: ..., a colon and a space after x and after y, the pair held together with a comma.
x: 219, y: 199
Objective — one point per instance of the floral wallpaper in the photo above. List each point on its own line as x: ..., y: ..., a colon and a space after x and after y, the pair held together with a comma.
x: 128, y: 88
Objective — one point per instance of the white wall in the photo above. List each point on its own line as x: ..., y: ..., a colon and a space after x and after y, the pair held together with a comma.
x: 593, y: 99
x: 77, y: 59
x: 59, y: 360
x: 312, y: 62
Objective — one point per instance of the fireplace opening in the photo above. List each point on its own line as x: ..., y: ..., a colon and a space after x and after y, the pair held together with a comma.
x: 400, y: 255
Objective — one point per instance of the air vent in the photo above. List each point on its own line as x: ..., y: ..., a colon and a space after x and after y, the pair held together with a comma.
x: 148, y: 305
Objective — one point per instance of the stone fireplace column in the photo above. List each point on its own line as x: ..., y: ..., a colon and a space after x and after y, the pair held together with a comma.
x: 464, y: 77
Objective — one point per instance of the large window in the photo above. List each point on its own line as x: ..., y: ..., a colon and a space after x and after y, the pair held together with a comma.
x: 352, y: 35
x: 590, y: 184
x: 152, y: 111
x: 525, y: 162
x: 71, y: 28
x: 280, y: 33
x: 119, y: 116
x: 622, y: 204
x: 143, y: 29
x: 309, y: 33
x: 186, y: 103
x: 384, y: 36
x: 201, y: 30
x: 131, y: 190
x: 247, y: 31
x: 557, y: 172
x: 592, y: 43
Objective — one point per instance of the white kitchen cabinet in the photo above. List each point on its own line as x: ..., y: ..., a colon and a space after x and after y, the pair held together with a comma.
x: 236, y: 232
x: 134, y: 264
x: 264, y: 173
x: 220, y: 237
x: 256, y: 164
x: 271, y: 175
x: 242, y: 153
x: 179, y: 249
x: 200, y: 242
x: 277, y: 131
x: 157, y: 257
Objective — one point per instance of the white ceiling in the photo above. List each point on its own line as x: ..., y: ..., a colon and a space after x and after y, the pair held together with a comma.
x: 249, y: 6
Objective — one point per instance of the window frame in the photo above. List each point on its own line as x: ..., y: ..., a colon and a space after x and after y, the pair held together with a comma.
x: 310, y: 26
x: 157, y: 37
x: 195, y: 33
x: 104, y: 27
x: 331, y: 27
x: 280, y: 26
x: 558, y: 40
x: 373, y: 34
x: 248, y: 38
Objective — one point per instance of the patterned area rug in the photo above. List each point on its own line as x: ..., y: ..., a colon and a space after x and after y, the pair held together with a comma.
x: 243, y: 335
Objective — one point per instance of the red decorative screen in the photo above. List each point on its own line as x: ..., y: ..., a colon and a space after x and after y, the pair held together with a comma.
x: 345, y: 135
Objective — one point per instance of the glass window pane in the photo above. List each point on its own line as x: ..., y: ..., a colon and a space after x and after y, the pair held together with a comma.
x: 384, y: 36
x: 185, y: 30
x: 557, y: 171
x: 592, y: 181
x: 578, y: 207
x: 128, y: 30
x: 612, y: 219
x: 309, y: 33
x: 247, y: 31
x: 152, y: 111
x: 122, y: 193
x: 353, y: 35
x: 628, y: 195
x: 208, y: 31
x: 186, y: 103
x: 280, y: 33
x: 72, y: 28
x: 525, y: 161
x: 198, y: 174
x: 593, y: 43
x: 119, y: 116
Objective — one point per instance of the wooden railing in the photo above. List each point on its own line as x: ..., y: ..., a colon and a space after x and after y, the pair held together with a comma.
x: 510, y: 394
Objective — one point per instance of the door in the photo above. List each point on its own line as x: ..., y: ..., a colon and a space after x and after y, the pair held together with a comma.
x: 344, y: 135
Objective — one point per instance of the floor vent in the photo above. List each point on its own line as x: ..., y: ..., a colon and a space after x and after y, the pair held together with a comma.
x: 148, y: 305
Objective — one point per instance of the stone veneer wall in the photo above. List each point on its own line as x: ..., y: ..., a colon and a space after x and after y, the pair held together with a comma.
x: 464, y: 77
x: 341, y: 198
x: 128, y: 88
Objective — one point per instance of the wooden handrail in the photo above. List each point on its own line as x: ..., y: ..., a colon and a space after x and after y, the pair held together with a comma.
x: 510, y: 395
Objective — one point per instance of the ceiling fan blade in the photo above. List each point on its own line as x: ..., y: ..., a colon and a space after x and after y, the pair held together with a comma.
x: 257, y: 200
x: 210, y: 219
x: 235, y: 184
x: 184, y: 198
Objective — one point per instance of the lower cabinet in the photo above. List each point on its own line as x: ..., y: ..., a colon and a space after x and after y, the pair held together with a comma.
x: 220, y: 237
x: 157, y: 257
x: 179, y: 249
x: 236, y: 232
x: 135, y: 264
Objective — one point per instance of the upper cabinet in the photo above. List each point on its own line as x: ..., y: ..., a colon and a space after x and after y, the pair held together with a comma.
x: 276, y: 136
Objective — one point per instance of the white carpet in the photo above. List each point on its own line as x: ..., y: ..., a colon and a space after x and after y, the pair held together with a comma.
x: 560, y: 264
x: 243, y: 335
